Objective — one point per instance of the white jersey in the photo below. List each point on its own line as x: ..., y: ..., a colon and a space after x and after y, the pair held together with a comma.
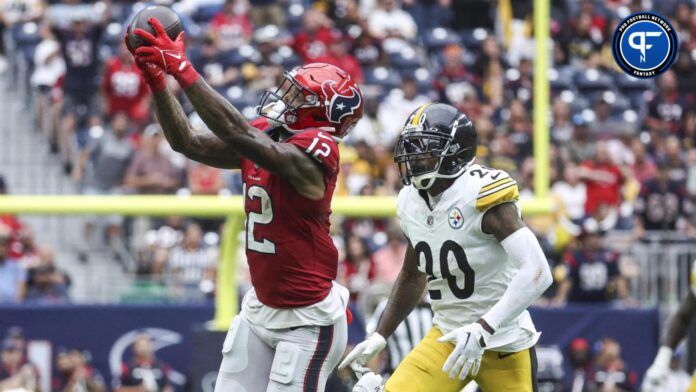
x: 468, y: 270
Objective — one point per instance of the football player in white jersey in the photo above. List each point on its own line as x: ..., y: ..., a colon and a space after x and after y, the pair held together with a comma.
x: 479, y: 262
x: 657, y: 375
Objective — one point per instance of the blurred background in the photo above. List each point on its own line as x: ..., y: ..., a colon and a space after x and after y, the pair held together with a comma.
x: 93, y: 302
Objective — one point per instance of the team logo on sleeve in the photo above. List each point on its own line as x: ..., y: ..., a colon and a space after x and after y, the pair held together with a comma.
x: 645, y: 45
x: 340, y: 105
x: 455, y: 218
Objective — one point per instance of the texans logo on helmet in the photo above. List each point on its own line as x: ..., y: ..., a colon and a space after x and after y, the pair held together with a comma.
x: 340, y: 105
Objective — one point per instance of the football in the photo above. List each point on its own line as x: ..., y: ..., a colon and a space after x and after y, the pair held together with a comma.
x: 169, y: 19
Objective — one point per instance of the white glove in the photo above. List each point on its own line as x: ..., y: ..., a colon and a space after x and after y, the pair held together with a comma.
x: 469, y: 344
x: 657, y: 374
x: 362, y: 353
x: 369, y: 382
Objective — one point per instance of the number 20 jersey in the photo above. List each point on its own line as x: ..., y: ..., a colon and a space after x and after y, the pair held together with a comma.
x: 292, y: 258
x: 467, y: 270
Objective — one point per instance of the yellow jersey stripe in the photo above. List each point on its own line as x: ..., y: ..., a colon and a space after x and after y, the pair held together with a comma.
x: 496, y: 189
x: 416, y: 117
x: 495, y: 184
x: 506, y: 194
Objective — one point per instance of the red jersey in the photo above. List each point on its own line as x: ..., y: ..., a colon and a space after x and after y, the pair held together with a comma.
x: 292, y: 258
x: 603, y: 192
x: 125, y: 89
x: 312, y: 46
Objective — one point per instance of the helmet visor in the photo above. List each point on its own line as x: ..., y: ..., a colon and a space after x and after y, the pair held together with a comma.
x: 419, y: 153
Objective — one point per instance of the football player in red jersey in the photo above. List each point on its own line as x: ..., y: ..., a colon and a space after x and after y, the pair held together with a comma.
x: 292, y: 329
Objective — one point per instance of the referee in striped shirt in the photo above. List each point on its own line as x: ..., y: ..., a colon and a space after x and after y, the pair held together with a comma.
x: 407, y: 335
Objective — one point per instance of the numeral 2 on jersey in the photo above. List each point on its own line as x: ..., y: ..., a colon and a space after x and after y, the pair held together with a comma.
x: 263, y: 218
x: 448, y: 247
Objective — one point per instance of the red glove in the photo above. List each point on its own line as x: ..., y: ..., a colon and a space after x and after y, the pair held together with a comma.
x: 153, y: 75
x: 167, y: 54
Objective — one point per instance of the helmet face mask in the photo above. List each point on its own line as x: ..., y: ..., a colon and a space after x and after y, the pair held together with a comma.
x: 283, y: 104
x: 435, y: 148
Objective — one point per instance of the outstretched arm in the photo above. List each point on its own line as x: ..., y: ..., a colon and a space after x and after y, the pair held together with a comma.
x: 229, y: 125
x: 522, y: 247
x: 225, y: 120
x: 201, y: 146
x: 405, y: 295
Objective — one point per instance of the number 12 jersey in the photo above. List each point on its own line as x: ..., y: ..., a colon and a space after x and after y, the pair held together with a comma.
x: 292, y: 258
x: 467, y: 270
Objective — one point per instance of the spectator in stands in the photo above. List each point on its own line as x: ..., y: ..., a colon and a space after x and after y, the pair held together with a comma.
x: 490, y: 54
x: 673, y: 159
x: 124, y: 88
x: 231, y: 27
x: 368, y: 129
x: 338, y: 55
x: 203, y: 179
x: 15, y: 372
x: 264, y: 12
x: 430, y: 14
x: 101, y: 170
x: 12, y: 275
x: 357, y: 271
x: 389, y: 258
x: 581, y: 146
x: 46, y: 284
x: 23, y: 246
x: 580, y: 355
x: 571, y: 193
x: 80, y: 48
x: 144, y: 372
x: 213, y: 64
x: 666, y: 108
x: 591, y: 272
x: 643, y: 167
x: 453, y: 69
x: 75, y: 373
x: 611, y: 371
x: 663, y: 205
x: 399, y: 104
x: 10, y: 226
x: 519, y: 130
x: 394, y: 26
x: 561, y: 125
x: 150, y: 172
x: 604, y: 126
x: 603, y: 179
x: 313, y: 40
x: 368, y: 50
x: 192, y: 266
x: 586, y: 39
x: 49, y: 66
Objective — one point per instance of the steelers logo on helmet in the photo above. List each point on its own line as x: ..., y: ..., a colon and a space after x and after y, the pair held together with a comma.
x: 644, y: 45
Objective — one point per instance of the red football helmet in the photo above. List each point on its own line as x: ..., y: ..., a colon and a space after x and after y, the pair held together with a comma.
x: 315, y: 95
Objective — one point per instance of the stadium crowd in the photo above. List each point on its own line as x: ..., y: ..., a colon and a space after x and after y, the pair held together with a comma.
x: 623, y: 151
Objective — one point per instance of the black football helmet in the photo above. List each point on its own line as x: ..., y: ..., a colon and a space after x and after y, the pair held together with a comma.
x: 438, y: 141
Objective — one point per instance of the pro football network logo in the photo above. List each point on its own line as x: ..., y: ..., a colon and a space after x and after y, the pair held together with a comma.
x: 456, y: 220
x: 645, y: 45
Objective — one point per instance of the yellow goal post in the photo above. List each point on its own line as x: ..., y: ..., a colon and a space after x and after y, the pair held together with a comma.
x: 231, y: 207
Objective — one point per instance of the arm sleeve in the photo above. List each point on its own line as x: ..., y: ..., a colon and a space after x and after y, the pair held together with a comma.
x: 532, y: 279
